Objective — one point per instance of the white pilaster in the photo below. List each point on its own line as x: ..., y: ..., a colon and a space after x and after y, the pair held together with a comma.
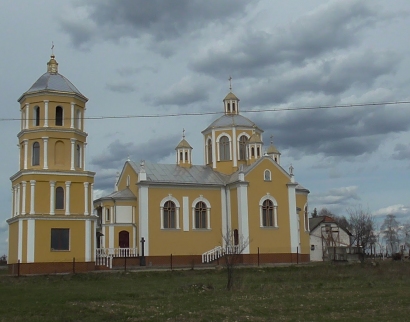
x: 143, y: 215
x: 84, y: 155
x: 32, y: 196
x: 87, y: 240
x: 243, y: 221
x: 293, y: 217
x: 67, y: 197
x: 46, y: 113
x: 72, y: 115
x: 18, y: 200
x: 185, y: 213
x: 15, y: 200
x: 52, y: 197
x: 12, y: 202
x: 213, y: 150
x: 234, y: 146
x: 92, y: 197
x: 224, y: 216
x: 23, y: 197
x: 25, y: 153
x: 19, y: 146
x: 27, y: 114
x: 72, y: 153
x: 86, y: 212
x: 20, y: 241
x: 45, y: 153
x: 31, y: 234
x: 111, y: 237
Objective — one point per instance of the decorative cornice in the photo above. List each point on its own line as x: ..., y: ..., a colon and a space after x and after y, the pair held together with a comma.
x: 52, y: 217
x: 21, y: 173
x: 52, y: 129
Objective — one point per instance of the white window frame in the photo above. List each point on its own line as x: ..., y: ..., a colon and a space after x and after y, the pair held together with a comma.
x: 275, y: 211
x: 218, y: 151
x: 177, y: 208
x: 208, y: 213
x: 264, y: 175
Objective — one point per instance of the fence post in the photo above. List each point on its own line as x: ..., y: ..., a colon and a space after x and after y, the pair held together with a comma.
x: 18, y: 268
x: 171, y: 262
x: 297, y: 255
x: 258, y: 256
x: 125, y: 262
x: 73, y: 265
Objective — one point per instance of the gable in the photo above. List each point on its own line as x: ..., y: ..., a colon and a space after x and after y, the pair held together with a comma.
x: 257, y: 171
x: 128, y: 173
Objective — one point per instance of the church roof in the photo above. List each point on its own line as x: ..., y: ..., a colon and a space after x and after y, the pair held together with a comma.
x: 255, y: 138
x: 53, y: 82
x: 272, y: 149
x: 172, y: 173
x: 231, y: 96
x: 183, y: 144
x: 123, y: 194
x: 232, y: 120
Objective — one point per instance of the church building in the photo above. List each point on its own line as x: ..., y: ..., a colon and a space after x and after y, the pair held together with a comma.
x: 52, y: 224
x: 240, y: 199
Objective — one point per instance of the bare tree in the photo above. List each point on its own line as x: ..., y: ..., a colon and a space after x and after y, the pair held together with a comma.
x: 325, y: 212
x: 233, y: 247
x: 361, y: 226
x: 391, y: 230
x: 406, y: 234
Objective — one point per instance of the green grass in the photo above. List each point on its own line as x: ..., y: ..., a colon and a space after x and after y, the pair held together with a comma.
x: 360, y: 292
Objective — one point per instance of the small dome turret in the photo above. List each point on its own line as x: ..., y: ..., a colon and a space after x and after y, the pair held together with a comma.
x: 184, y: 152
x: 273, y: 152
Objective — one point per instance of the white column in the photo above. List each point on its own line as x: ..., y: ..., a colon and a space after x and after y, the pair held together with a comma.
x: 143, y: 216
x: 12, y: 202
x: 52, y: 197
x: 234, y: 146
x: 27, y: 115
x: 25, y: 153
x: 87, y: 240
x: 111, y: 237
x: 45, y: 113
x: 84, y: 159
x: 23, y: 197
x: 45, y: 153
x: 86, y: 184
x: 31, y: 228
x: 213, y: 150
x: 32, y: 196
x: 67, y: 197
x: 15, y: 200
x: 243, y: 221
x: 72, y: 153
x: 72, y: 114
x: 19, y: 146
x: 224, y: 216
x: 92, y: 196
x: 293, y: 217
x: 185, y: 213
x: 20, y: 241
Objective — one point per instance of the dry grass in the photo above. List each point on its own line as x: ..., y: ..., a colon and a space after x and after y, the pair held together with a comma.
x: 360, y: 292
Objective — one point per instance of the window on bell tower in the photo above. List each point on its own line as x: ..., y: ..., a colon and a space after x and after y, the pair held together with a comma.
x: 209, y: 151
x: 59, y: 116
x: 242, y: 147
x: 224, y: 153
x: 36, y: 154
x: 36, y: 119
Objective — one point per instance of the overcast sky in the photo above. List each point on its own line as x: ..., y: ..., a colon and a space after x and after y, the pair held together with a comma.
x: 136, y: 57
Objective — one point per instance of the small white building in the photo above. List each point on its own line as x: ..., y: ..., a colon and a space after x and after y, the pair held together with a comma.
x: 325, y: 233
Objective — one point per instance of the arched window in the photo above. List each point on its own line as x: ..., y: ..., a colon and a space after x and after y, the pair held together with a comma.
x: 169, y: 214
x: 209, y: 151
x: 36, y: 118
x: 242, y: 147
x: 59, y: 198
x: 267, y: 213
x: 252, y: 152
x: 59, y: 116
x: 78, y: 156
x: 267, y: 175
x: 224, y: 153
x: 36, y: 154
x: 107, y: 215
x: 124, y: 239
x: 200, y: 215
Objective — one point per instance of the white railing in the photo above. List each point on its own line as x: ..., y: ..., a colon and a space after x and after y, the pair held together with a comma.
x: 219, y: 252
x: 104, y: 256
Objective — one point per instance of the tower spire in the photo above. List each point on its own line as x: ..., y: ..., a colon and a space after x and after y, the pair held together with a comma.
x: 230, y: 83
x: 52, y: 65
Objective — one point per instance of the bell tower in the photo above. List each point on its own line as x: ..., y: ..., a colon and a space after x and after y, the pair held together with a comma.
x: 52, y: 220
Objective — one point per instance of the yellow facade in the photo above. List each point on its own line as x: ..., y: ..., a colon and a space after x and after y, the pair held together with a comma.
x: 52, y: 217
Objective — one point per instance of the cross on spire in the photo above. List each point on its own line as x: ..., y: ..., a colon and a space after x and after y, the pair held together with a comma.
x: 230, y: 83
x: 52, y: 48
x: 271, y: 139
x: 183, y: 133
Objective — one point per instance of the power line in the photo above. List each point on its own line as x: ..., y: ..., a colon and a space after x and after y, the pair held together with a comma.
x: 300, y: 108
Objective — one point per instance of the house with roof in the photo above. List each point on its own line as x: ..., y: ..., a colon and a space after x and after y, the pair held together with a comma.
x: 327, y: 237
x: 240, y: 197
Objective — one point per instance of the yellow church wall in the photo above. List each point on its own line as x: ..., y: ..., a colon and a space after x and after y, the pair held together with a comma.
x: 122, y: 184
x: 301, y: 200
x: 268, y: 239
x: 43, y: 252
x: 177, y: 241
x: 118, y: 229
x: 13, y: 242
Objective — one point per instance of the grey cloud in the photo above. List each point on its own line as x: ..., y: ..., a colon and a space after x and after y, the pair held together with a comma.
x: 153, y: 150
x: 340, y: 132
x: 334, y: 26
x: 129, y: 71
x: 401, y: 152
x: 122, y: 87
x: 161, y: 20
